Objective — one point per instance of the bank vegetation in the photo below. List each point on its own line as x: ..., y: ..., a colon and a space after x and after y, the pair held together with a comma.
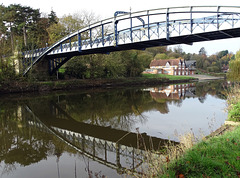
x: 214, y: 156
x: 25, y: 28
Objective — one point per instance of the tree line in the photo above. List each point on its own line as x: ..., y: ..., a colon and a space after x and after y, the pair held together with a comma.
x: 24, y: 28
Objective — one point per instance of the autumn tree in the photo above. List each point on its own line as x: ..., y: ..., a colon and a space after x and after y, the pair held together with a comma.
x: 234, y: 68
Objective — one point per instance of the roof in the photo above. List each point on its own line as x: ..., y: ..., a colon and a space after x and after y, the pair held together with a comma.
x: 190, y: 63
x: 163, y: 62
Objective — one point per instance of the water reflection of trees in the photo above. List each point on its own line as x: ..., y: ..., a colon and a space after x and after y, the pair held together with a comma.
x: 121, y: 109
x: 21, y: 143
x: 216, y: 88
x: 24, y: 144
x: 118, y: 109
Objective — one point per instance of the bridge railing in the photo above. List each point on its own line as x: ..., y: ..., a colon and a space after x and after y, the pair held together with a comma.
x: 111, y: 154
x: 148, y: 25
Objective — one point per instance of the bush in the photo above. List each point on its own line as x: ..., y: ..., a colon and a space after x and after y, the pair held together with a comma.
x: 233, y: 101
x: 75, y: 68
x: 234, y: 113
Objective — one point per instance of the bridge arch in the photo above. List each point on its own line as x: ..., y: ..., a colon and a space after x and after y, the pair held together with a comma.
x: 161, y: 27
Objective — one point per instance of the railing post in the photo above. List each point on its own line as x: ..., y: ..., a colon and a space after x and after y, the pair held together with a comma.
x: 102, y: 35
x: 115, y: 32
x: 148, y: 25
x: 133, y: 159
x: 167, y: 24
x: 218, y: 7
x: 90, y: 31
x: 131, y: 36
x: 70, y: 45
x: 23, y: 61
x: 105, y: 148
x: 191, y: 20
x: 118, y: 162
x: 94, y: 150
x: 83, y: 142
x: 79, y: 42
x: 32, y: 56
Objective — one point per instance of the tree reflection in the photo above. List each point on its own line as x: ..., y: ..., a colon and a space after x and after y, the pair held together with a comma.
x: 22, y: 143
x: 122, y: 109
x: 25, y: 144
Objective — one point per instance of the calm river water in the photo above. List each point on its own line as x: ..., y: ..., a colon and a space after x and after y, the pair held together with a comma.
x: 101, y: 132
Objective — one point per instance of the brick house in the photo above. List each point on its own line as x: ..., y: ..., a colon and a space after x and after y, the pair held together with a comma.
x: 170, y: 67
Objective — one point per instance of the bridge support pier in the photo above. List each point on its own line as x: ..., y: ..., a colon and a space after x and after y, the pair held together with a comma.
x: 40, y: 71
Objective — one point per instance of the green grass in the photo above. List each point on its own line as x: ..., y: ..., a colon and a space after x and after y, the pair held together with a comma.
x: 61, y: 70
x: 234, y: 113
x: 216, y: 157
x: 233, y: 101
x: 170, y: 77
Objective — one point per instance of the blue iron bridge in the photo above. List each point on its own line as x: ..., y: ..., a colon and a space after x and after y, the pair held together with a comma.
x: 140, y: 30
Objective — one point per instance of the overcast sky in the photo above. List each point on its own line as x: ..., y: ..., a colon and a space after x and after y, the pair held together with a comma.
x: 106, y: 8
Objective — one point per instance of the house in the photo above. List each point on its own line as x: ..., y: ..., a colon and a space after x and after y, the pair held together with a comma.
x: 171, y: 67
x: 173, y: 92
x: 191, y: 65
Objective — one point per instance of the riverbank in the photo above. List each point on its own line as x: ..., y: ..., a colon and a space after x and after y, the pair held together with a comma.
x: 47, y: 86
x: 216, y: 155
x: 207, y: 77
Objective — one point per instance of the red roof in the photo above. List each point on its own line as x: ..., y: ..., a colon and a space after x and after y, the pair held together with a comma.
x: 163, y: 62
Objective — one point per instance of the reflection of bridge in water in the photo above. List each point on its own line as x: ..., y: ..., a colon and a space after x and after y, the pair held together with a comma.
x: 114, y: 148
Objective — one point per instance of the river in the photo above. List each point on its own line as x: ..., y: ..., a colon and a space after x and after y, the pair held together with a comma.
x: 102, y: 132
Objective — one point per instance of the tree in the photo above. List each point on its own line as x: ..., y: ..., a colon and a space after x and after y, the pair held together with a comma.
x: 21, y: 21
x: 134, y: 67
x: 2, y: 24
x: 56, y: 32
x: 76, y: 68
x: 52, y: 18
x: 145, y: 58
x: 41, y: 34
x: 202, y: 51
x: 187, y: 56
x: 155, y: 50
x: 178, y: 49
x: 222, y: 53
x: 114, y: 66
x: 234, y: 68
x: 161, y: 56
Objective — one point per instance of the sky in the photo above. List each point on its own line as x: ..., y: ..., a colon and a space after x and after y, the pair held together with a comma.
x: 106, y: 9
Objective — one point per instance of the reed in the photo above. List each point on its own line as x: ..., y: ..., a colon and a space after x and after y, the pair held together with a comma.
x: 156, y: 163
x: 233, y: 101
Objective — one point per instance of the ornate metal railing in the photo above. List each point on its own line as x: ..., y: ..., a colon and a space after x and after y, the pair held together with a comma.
x: 139, y: 30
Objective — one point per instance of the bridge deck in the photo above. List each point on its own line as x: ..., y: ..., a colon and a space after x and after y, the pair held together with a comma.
x: 140, y: 30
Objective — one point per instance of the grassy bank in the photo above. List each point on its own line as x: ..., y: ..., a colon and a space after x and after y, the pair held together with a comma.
x: 218, y: 156
x: 215, y: 156
x: 169, y: 77
x: 24, y: 86
x: 234, y: 103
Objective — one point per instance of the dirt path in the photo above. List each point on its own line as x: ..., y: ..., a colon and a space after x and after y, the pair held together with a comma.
x: 207, y: 77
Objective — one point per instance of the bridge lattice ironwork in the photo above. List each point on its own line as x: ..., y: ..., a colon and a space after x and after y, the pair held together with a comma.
x: 140, y: 30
